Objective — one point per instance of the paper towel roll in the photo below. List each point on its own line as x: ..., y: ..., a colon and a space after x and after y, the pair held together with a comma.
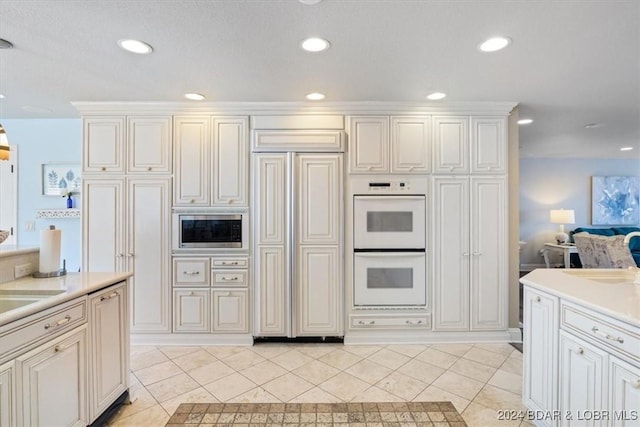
x: 50, y: 250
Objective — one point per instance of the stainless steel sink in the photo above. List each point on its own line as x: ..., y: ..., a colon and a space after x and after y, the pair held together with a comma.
x: 613, y: 276
x: 12, y: 299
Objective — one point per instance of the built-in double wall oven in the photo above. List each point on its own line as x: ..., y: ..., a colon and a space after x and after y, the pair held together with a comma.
x: 389, y: 241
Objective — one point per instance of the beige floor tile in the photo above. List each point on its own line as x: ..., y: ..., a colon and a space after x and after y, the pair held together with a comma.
x: 375, y: 394
x: 135, y: 350
x: 317, y: 350
x: 435, y: 394
x: 172, y: 387
x: 147, y: 359
x: 141, y: 399
x: 291, y: 360
x: 344, y: 386
x: 472, y: 369
x: 153, y: 416
x: 287, y: 387
x: 316, y: 372
x: 507, y: 381
x: 411, y: 350
x: 190, y: 361
x: 224, y: 351
x: 388, y: 358
x: 500, y: 348
x: 207, y: 374
x: 485, y: 357
x: 176, y: 351
x: 340, y: 359
x: 458, y: 384
x: 368, y: 371
x: 263, y: 372
x: 513, y: 364
x: 243, y: 360
x: 422, y: 371
x: 157, y: 372
x: 269, y: 350
x: 457, y: 349
x: 401, y: 385
x: 198, y: 395
x: 256, y: 395
x: 476, y: 415
x: 229, y: 387
x: 315, y: 395
x: 437, y: 358
x: 361, y: 350
x: 497, y: 398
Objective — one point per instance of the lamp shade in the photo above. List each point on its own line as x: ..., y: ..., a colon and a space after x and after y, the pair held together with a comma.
x: 4, y: 145
x: 561, y: 216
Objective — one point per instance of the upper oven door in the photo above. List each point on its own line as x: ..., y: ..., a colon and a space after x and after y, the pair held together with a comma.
x: 210, y: 231
x: 389, y: 222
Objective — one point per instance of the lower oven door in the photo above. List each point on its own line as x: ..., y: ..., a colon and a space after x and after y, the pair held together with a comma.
x: 389, y: 278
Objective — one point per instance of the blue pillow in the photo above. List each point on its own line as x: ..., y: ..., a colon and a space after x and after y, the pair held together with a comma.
x: 598, y: 231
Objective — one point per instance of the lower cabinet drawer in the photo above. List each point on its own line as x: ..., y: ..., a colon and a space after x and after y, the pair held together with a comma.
x: 390, y: 321
x: 229, y: 277
x: 191, y: 271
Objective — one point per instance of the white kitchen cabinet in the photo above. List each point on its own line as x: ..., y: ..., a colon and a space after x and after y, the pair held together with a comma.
x: 192, y: 161
x: 381, y: 144
x: 230, y: 161
x: 451, y: 144
x: 469, y: 256
x: 230, y: 310
x: 126, y: 227
x: 7, y: 395
x: 191, y: 271
x: 624, y: 391
x: 53, y: 385
x: 540, y: 350
x: 109, y: 347
x: 191, y: 310
x: 488, y: 145
x: 298, y: 243
x: 103, y: 148
x: 149, y: 144
x: 582, y: 383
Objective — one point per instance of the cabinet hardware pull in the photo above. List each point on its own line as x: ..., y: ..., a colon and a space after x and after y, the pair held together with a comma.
x: 190, y: 273
x: 465, y: 254
x: 596, y: 331
x: 414, y: 322
x: 59, y: 323
x: 580, y: 350
x: 367, y: 323
x: 636, y: 384
x: 192, y: 201
x: 57, y: 349
x: 130, y: 254
x: 477, y: 253
x: 226, y: 294
x: 410, y: 168
x: 537, y: 299
x: 113, y: 295
x: 191, y: 294
x: 229, y: 279
x: 229, y: 263
x: 103, y: 168
x: 229, y: 201
x: 451, y: 168
x: 149, y: 168
x: 369, y: 168
x: 119, y: 255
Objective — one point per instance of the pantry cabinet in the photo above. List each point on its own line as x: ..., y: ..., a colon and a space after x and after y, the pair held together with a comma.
x: 126, y: 227
x: 192, y: 163
x: 470, y: 255
x: 103, y: 144
x: 149, y: 144
x: 382, y: 144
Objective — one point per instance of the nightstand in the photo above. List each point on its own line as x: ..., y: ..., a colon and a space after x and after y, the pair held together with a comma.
x: 566, y: 250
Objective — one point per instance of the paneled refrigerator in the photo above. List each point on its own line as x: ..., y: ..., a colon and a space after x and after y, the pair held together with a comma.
x: 297, y: 243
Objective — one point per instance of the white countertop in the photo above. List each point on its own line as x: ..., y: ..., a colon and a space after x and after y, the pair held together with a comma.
x: 11, y: 250
x: 73, y: 285
x: 618, y: 300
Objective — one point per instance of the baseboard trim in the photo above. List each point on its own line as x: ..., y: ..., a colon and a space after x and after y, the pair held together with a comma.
x: 515, y: 335
x: 191, y: 339
x: 430, y: 337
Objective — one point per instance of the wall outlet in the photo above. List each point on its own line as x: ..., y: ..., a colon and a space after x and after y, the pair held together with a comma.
x: 22, y: 270
x: 30, y: 226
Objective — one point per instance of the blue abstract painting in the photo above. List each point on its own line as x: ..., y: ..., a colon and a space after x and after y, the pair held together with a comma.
x: 615, y: 200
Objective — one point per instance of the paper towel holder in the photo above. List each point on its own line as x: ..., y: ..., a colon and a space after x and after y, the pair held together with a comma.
x: 61, y: 272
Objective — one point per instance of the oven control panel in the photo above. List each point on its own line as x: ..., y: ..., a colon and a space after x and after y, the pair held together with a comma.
x: 389, y: 185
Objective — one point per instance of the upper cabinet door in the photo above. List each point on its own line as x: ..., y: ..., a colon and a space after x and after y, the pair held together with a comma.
x: 103, y: 144
x: 368, y: 144
x: 451, y: 144
x: 488, y: 145
x: 149, y: 144
x: 230, y: 161
x: 411, y: 144
x: 191, y: 161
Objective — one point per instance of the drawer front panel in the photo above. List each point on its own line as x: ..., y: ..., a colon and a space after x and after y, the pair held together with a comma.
x: 230, y: 262
x: 603, y: 330
x: 229, y: 277
x: 34, y: 329
x: 400, y: 321
x: 191, y: 272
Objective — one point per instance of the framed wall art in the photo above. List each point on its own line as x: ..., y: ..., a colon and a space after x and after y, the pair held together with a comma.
x: 615, y: 200
x: 58, y: 179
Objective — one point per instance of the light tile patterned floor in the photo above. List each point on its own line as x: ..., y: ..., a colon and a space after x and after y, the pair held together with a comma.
x: 480, y: 380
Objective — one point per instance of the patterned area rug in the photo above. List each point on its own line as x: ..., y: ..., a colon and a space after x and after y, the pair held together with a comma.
x: 414, y: 414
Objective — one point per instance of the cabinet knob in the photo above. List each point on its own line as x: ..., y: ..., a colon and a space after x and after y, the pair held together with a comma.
x: 103, y: 169
x: 149, y: 168
x: 229, y: 201
x: 451, y: 168
x: 410, y: 168
x: 56, y: 349
x: 369, y: 168
x: 537, y: 299
x: 636, y: 384
x: 580, y: 350
x: 192, y: 201
x: 191, y: 293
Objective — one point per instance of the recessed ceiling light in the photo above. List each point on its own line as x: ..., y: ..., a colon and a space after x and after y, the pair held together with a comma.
x: 309, y: 1
x: 436, y: 95
x: 593, y: 125
x: 194, y: 96
x: 626, y: 149
x: 1, y: 96
x: 5, y: 44
x: 315, y: 44
x: 135, y: 46
x: 315, y: 96
x: 525, y: 121
x: 495, y: 43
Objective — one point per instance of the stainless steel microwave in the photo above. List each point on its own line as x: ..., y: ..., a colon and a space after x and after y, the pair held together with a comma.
x: 201, y: 231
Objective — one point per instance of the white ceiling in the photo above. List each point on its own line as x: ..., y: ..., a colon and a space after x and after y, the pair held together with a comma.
x: 571, y: 62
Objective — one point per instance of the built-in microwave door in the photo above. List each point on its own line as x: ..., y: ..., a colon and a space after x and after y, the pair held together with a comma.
x: 389, y: 222
x: 389, y: 278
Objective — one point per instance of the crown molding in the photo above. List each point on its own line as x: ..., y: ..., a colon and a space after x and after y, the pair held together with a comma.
x: 274, y: 108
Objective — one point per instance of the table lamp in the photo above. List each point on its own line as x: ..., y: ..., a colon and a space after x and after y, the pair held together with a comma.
x: 562, y: 217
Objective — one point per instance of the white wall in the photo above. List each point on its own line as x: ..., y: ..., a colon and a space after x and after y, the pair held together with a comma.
x: 43, y: 141
x: 547, y: 184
